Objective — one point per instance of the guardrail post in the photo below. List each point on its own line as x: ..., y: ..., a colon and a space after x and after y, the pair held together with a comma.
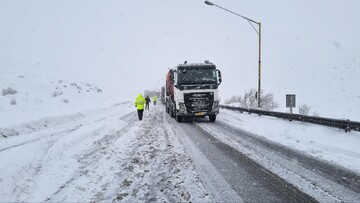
x: 347, y: 126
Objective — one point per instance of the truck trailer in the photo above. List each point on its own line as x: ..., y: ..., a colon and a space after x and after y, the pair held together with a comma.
x: 191, y: 91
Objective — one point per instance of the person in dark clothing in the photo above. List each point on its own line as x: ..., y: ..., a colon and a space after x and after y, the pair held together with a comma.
x: 147, y: 99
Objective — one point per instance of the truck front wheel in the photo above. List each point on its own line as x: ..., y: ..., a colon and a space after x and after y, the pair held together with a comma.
x: 212, y: 118
x: 178, y: 118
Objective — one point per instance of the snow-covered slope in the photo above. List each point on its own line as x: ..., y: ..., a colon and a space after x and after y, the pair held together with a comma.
x: 39, y: 96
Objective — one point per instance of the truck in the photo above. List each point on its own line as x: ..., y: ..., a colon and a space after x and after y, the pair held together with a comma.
x: 191, y: 91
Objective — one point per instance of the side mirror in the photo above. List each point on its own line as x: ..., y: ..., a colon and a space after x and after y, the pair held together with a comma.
x: 219, y: 74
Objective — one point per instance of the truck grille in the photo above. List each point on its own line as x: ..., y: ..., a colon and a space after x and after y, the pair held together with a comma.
x: 199, y: 102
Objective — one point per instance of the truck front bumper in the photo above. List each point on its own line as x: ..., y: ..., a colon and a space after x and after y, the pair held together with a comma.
x: 184, y: 113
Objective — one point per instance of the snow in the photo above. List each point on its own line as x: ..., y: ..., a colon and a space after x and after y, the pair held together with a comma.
x: 39, y: 96
x: 90, y: 149
x: 70, y: 133
x: 330, y: 144
x: 94, y: 148
x: 322, y: 143
x: 104, y: 155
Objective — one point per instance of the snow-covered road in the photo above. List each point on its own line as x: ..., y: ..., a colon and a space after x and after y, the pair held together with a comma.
x: 103, y: 155
x: 321, y: 180
x: 108, y: 155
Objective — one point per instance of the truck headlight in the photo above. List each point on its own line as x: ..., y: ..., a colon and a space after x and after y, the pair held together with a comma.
x: 182, y: 106
x: 216, y: 104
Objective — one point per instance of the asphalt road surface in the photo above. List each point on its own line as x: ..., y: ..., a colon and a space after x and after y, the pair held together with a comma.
x: 259, y: 170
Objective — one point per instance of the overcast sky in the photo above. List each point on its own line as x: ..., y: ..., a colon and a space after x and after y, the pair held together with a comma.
x: 309, y: 47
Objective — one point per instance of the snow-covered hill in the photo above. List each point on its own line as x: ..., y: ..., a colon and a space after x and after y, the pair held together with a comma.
x: 30, y: 97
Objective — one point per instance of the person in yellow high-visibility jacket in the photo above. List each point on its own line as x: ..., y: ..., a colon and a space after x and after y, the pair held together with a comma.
x: 154, y: 99
x: 139, y: 104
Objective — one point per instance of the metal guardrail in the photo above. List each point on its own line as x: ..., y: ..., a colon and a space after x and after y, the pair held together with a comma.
x: 347, y: 125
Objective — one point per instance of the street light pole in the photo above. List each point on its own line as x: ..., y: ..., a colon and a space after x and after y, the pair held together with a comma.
x: 259, y: 34
x: 259, y: 77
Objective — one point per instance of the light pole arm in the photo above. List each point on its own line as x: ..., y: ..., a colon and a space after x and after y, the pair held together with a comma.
x: 259, y: 34
x: 248, y: 19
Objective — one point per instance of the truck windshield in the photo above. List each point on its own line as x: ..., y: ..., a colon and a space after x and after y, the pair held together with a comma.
x: 197, y: 75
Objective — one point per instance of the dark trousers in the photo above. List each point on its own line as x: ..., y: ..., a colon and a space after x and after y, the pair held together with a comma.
x: 140, y: 113
x: 147, y: 106
x: 154, y: 102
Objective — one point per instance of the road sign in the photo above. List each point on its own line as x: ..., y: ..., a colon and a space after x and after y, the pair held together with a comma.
x: 290, y: 101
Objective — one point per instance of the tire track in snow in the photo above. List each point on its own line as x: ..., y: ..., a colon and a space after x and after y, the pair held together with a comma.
x: 219, y: 189
x: 64, y: 132
x: 101, y: 149
x: 29, y: 171
x: 34, y: 168
x: 157, y: 169
x: 275, y: 158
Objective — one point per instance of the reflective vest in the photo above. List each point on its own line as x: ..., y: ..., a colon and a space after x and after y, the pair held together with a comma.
x: 139, y: 102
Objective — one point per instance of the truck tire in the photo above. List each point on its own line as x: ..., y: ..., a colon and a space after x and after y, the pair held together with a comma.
x: 212, y: 118
x: 172, y: 110
x: 178, y: 118
x: 172, y: 113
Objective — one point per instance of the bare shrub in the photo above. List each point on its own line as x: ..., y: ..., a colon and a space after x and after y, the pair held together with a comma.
x: 8, y: 132
x: 57, y: 93
x: 98, y: 90
x: 304, y: 109
x: 13, y: 101
x: 267, y: 102
x: 249, y: 100
x: 8, y: 91
x: 65, y: 101
x: 233, y: 99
